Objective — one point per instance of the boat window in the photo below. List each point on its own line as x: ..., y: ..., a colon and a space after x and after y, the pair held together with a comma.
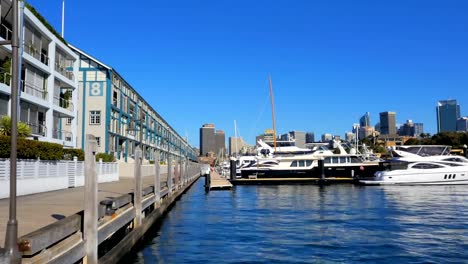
x: 308, y: 163
x: 342, y: 159
x: 355, y: 160
x: 301, y: 163
x: 327, y: 160
x: 335, y: 160
x: 426, y: 166
x: 454, y: 159
x: 294, y: 163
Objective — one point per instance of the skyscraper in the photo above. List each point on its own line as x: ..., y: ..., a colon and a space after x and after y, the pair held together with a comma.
x: 310, y: 137
x: 388, y: 123
x: 448, y: 111
x: 220, y: 142
x: 207, y: 139
x: 462, y: 124
x: 365, y: 120
x: 418, y: 129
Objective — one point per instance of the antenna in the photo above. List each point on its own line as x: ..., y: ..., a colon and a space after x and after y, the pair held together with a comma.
x: 63, y: 18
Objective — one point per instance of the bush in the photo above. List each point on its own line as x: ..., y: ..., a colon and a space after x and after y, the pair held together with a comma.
x: 68, y: 154
x: 105, y: 157
x: 31, y: 149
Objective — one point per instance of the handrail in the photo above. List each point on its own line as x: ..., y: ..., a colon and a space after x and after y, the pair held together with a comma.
x: 5, y: 32
x: 62, y: 135
x: 63, y: 103
x: 33, y: 90
x: 38, y: 129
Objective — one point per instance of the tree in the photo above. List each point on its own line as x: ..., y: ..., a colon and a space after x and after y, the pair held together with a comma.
x: 5, y: 128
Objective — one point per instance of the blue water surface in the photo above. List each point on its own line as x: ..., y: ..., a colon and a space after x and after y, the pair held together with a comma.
x: 309, y: 224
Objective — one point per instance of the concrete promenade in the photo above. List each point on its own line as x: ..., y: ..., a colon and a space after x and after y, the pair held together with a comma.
x: 39, y: 210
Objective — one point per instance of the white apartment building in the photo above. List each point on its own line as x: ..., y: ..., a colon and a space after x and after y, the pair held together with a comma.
x: 48, y: 79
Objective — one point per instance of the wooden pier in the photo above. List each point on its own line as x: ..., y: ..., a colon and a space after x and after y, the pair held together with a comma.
x: 214, y: 181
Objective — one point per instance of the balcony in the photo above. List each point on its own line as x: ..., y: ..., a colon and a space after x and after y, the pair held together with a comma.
x: 36, y: 53
x: 63, y: 103
x: 38, y: 130
x: 5, y: 32
x: 34, y: 90
x: 64, y: 135
x: 63, y: 69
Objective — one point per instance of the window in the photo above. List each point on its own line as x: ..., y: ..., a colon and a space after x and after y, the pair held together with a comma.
x: 69, y: 121
x: 98, y: 141
x: 301, y: 163
x: 94, y: 117
x: 308, y: 163
x: 426, y: 166
x: 294, y: 163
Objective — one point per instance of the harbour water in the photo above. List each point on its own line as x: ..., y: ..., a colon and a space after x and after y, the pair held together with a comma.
x: 309, y: 224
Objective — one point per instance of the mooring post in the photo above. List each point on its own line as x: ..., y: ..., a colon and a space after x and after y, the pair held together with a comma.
x: 91, y: 202
x: 157, y: 177
x: 233, y: 169
x: 138, y: 189
x: 169, y: 174
x: 207, y: 181
x: 321, y: 167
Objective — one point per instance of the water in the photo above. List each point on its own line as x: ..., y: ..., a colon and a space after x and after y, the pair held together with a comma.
x: 309, y: 224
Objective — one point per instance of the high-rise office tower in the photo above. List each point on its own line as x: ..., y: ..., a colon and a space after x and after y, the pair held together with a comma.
x: 310, y: 137
x: 364, y: 121
x: 388, y: 123
x: 220, y: 143
x: 207, y: 139
x: 448, y: 112
x: 462, y: 124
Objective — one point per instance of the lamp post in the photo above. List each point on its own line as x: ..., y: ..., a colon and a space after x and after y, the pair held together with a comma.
x: 11, y: 237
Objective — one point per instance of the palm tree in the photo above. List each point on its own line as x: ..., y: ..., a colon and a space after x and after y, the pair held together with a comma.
x: 5, y: 128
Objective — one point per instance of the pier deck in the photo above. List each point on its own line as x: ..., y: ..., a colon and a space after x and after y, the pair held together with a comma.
x: 217, y: 182
x: 42, y: 209
x: 275, y: 181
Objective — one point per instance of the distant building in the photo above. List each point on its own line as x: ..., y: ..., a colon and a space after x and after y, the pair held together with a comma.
x: 407, y: 129
x: 365, y: 132
x: 238, y: 145
x: 448, y: 112
x: 298, y: 137
x: 220, y: 142
x: 418, y: 129
x: 207, y: 139
x: 310, y: 137
x: 462, y: 124
x: 377, y: 127
x: 350, y: 137
x: 364, y: 121
x: 337, y: 137
x: 327, y: 137
x: 388, y: 123
x: 267, y: 136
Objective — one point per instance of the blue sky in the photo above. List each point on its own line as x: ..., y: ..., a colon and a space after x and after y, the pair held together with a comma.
x: 331, y: 61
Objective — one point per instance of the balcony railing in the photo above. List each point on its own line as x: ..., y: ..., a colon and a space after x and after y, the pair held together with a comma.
x: 5, y: 32
x: 62, y: 135
x: 38, y: 129
x: 33, y: 90
x: 44, y: 58
x: 63, y: 103
x: 63, y: 69
x: 5, y: 78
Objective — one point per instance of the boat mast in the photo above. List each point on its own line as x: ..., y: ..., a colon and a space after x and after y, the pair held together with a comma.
x: 272, y: 111
x: 235, y: 135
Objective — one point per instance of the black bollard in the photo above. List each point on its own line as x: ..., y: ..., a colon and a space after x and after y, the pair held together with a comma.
x: 233, y: 169
x: 207, y: 182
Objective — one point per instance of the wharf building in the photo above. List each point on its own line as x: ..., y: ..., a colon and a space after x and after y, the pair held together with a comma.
x: 388, y: 123
x: 448, y: 112
x: 48, y: 86
x: 112, y: 110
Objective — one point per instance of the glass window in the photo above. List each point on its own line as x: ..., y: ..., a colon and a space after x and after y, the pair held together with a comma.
x: 94, y: 117
x: 308, y: 163
x: 426, y: 166
x: 342, y: 160
x: 294, y: 163
x: 327, y: 160
x: 301, y: 163
x: 98, y: 141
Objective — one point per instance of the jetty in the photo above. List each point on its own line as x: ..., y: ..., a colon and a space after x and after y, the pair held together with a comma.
x: 214, y: 181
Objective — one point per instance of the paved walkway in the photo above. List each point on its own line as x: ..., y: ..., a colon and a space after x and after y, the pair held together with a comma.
x: 38, y: 210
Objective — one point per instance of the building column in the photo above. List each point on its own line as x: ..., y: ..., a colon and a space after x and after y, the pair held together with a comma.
x: 49, y: 116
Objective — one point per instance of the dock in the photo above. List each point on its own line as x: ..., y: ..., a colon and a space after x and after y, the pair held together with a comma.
x: 216, y: 182
x: 276, y: 181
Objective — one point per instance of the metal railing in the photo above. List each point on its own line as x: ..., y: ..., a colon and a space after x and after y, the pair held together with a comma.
x: 5, y: 32
x: 63, y: 103
x: 62, y: 68
x: 5, y: 78
x: 33, y: 90
x: 62, y: 135
x: 38, y: 129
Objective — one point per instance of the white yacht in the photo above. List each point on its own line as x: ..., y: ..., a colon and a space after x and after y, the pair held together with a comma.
x: 422, y: 165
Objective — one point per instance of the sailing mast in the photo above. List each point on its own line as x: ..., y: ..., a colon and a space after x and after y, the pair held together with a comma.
x: 272, y: 111
x: 235, y: 135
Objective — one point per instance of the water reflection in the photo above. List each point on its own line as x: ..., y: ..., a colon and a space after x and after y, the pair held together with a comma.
x: 309, y: 224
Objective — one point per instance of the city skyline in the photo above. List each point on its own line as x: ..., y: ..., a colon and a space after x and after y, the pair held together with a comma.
x: 330, y: 62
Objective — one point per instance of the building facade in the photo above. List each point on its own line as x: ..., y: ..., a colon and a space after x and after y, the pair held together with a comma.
x: 237, y: 145
x: 448, y: 112
x: 364, y: 121
x: 298, y: 137
x: 220, y: 142
x: 388, y: 123
x: 48, y: 88
x: 309, y: 137
x: 207, y: 139
x: 326, y: 137
x: 120, y: 119
x: 462, y: 124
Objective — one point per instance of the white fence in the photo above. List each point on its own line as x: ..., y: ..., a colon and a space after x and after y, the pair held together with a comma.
x: 35, y: 176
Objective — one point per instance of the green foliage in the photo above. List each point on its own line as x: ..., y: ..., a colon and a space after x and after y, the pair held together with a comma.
x: 31, y: 149
x: 5, y: 128
x: 44, y: 21
x: 413, y: 141
x: 105, y: 157
x: 454, y: 139
x: 5, y: 69
x: 68, y: 154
